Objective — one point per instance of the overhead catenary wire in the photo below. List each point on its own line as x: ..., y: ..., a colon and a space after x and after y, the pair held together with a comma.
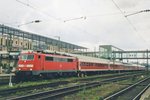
x: 125, y: 16
x: 147, y: 10
x: 58, y: 19
x: 96, y: 15
x: 38, y: 10
x: 35, y: 21
x: 26, y: 4
x: 83, y: 17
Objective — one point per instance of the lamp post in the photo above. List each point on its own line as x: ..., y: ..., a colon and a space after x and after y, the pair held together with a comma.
x: 35, y: 21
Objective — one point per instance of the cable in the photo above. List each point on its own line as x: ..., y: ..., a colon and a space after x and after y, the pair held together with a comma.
x: 107, y: 14
x: 147, y: 10
x: 38, y: 10
x: 25, y: 4
x: 75, y: 19
x: 125, y: 16
x: 28, y: 5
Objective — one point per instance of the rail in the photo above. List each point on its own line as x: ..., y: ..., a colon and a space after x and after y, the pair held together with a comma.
x: 51, y: 94
x: 123, y: 92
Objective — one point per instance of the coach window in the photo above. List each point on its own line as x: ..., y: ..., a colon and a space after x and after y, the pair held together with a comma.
x: 49, y: 58
x: 87, y: 64
x: 91, y: 64
x: 96, y: 64
x: 81, y: 63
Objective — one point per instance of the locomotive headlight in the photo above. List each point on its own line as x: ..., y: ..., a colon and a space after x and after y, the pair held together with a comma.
x: 30, y: 68
x: 29, y: 65
x: 20, y: 65
x: 19, y: 69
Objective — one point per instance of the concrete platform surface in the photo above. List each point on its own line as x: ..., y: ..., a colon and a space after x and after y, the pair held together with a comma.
x: 3, y: 75
x: 146, y: 95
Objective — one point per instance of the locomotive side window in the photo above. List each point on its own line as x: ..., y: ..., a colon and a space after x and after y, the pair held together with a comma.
x: 49, y: 58
x: 69, y: 60
x: 57, y: 59
x: 27, y: 57
x: 62, y: 60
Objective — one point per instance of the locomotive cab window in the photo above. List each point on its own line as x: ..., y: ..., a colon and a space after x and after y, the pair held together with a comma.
x: 49, y: 58
x: 27, y: 57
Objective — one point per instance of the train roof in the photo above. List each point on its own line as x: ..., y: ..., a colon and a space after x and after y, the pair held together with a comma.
x: 80, y: 57
x: 100, y: 60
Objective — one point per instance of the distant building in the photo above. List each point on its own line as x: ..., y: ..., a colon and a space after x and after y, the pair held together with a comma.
x: 105, y: 51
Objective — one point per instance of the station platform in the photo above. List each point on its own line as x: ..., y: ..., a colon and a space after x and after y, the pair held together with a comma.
x: 146, y: 95
x: 3, y: 75
x: 6, y: 76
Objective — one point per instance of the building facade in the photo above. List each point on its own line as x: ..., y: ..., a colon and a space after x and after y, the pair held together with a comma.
x: 12, y: 39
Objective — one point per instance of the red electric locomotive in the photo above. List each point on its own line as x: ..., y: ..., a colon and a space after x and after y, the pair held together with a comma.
x: 56, y: 64
x: 38, y: 63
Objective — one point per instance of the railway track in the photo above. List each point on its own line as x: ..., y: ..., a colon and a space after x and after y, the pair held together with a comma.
x: 5, y: 79
x: 133, y: 92
x: 6, y: 92
x: 53, y: 84
x: 57, y: 93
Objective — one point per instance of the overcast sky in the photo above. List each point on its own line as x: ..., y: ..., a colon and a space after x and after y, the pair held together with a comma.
x: 104, y: 23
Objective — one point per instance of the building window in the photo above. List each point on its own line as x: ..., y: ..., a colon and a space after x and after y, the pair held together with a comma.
x: 6, y: 42
x: 1, y: 41
x: 0, y: 29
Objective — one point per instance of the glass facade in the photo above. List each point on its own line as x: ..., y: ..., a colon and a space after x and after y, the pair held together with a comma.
x: 12, y: 39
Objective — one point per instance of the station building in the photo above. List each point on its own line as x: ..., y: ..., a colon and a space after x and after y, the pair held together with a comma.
x: 12, y: 39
